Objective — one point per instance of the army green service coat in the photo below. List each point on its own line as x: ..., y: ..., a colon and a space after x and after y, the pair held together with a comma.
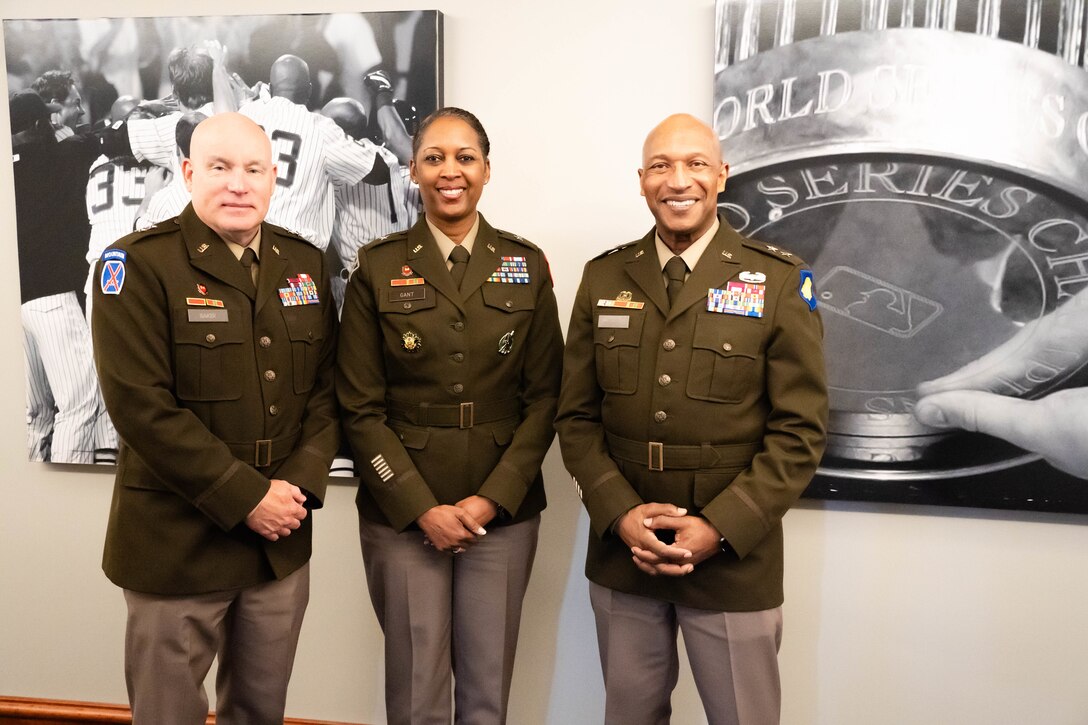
x: 191, y: 387
x: 747, y: 394
x: 412, y: 358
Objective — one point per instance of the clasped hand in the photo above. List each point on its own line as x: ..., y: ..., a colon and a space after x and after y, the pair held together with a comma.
x: 280, y: 512
x: 695, y: 541
x: 453, y: 529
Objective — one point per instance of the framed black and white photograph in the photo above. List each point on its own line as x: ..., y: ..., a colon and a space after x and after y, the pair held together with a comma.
x: 929, y: 160
x: 101, y: 111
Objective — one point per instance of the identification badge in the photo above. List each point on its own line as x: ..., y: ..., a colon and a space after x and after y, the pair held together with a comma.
x: 113, y: 271
x: 406, y: 295
x: 738, y: 298
x: 206, y: 315
x: 512, y: 270
x: 301, y: 290
x: 615, y: 322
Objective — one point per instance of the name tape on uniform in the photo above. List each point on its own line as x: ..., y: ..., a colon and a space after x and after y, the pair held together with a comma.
x: 614, y: 322
x: 206, y: 315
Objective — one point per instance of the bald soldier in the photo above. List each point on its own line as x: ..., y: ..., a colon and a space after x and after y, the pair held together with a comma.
x: 214, y: 335
x: 692, y: 415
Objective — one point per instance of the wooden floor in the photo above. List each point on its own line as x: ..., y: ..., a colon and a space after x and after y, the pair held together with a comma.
x: 29, y: 711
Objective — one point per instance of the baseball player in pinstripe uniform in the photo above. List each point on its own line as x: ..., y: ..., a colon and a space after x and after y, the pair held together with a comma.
x: 170, y: 199
x: 52, y: 231
x: 115, y: 193
x: 153, y: 139
x: 367, y: 211
x: 311, y: 153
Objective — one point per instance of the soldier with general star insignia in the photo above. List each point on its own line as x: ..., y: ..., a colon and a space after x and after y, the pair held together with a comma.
x: 693, y: 412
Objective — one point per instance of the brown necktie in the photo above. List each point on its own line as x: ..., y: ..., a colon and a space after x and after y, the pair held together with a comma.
x: 675, y: 270
x: 249, y: 261
x: 459, y: 257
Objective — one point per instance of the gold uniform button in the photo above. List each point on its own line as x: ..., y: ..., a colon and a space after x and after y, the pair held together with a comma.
x: 209, y: 337
x: 669, y: 344
x: 664, y: 380
x: 727, y: 347
x: 458, y: 357
x: 509, y: 304
x: 611, y: 338
x: 458, y: 388
x: 273, y: 409
x: 407, y: 305
x: 269, y: 375
x: 661, y: 416
x: 265, y: 341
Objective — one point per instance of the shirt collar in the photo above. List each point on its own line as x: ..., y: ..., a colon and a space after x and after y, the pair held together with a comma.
x: 237, y: 249
x: 446, y: 245
x: 690, y: 255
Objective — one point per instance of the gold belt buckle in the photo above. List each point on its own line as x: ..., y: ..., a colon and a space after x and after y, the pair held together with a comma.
x: 656, y: 451
x: 467, y: 415
x: 262, y: 454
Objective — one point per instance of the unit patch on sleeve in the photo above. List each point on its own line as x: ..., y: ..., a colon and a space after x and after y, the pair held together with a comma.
x: 738, y: 298
x: 808, y: 294
x: 113, y: 271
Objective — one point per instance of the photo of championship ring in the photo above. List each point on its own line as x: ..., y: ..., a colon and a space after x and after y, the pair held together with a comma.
x: 929, y: 161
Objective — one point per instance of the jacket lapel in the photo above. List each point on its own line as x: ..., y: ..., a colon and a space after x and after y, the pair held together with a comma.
x: 644, y: 269
x: 720, y: 261
x: 425, y: 260
x: 484, y: 260
x: 210, y: 254
x: 270, y: 269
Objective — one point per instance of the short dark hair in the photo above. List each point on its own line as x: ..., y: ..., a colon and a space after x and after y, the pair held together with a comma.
x: 453, y: 112
x: 53, y: 85
x: 191, y: 75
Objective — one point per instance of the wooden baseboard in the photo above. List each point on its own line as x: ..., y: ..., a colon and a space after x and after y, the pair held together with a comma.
x: 32, y: 711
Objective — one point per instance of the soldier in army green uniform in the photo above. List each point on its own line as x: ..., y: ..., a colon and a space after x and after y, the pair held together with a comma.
x: 219, y: 379
x: 693, y: 413
x: 448, y: 374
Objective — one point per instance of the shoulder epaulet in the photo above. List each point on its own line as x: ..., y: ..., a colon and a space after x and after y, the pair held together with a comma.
x: 613, y: 250
x: 164, y: 227
x: 774, y: 251
x: 510, y: 236
x: 402, y: 234
x: 288, y: 232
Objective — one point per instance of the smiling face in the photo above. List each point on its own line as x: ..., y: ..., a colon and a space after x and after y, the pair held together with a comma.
x: 681, y: 175
x: 451, y: 170
x: 230, y: 175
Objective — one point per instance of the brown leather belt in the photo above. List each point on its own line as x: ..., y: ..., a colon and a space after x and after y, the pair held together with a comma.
x: 267, y: 451
x: 464, y: 415
x: 661, y: 456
